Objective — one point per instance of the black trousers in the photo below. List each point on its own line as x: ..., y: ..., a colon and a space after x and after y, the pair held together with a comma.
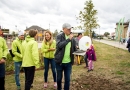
x: 86, y: 61
x: 2, y: 83
x: 29, y: 76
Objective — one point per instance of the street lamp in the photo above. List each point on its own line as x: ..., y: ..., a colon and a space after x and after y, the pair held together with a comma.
x: 16, y: 27
x: 49, y: 26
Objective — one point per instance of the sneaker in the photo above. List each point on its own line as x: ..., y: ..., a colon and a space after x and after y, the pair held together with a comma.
x: 55, y: 85
x: 45, y: 85
x: 18, y: 88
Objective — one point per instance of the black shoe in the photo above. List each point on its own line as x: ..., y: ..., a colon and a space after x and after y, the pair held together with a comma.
x: 31, y: 86
x: 88, y: 70
x: 91, y: 69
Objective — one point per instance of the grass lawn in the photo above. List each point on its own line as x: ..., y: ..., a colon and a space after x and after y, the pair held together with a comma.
x: 111, y: 72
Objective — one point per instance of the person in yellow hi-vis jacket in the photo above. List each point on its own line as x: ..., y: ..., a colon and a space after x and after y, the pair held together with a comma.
x: 48, y: 50
x: 3, y: 55
x: 30, y: 58
x: 17, y: 52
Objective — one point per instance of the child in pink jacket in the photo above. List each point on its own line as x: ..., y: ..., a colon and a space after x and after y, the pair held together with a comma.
x: 91, y: 56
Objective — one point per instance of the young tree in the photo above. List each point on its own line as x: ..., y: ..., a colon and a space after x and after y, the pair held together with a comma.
x: 88, y: 17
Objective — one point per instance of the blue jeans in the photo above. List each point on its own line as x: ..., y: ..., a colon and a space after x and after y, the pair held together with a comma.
x: 66, y: 67
x: 53, y: 68
x: 17, y: 66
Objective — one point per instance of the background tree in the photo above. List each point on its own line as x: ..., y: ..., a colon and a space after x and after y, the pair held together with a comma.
x: 106, y: 34
x: 93, y: 34
x: 78, y: 27
x: 55, y: 33
x: 88, y: 18
x: 13, y: 33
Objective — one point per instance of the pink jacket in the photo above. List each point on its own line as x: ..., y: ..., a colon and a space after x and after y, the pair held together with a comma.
x: 90, y: 53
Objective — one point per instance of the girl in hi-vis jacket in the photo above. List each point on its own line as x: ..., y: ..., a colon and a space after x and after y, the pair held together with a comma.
x: 48, y: 50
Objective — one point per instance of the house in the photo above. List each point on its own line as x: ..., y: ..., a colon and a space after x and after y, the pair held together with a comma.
x: 5, y: 33
x: 39, y: 30
x: 122, y: 34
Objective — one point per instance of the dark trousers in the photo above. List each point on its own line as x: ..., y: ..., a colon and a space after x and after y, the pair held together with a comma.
x: 29, y: 76
x: 129, y: 49
x: 2, y: 83
x: 53, y: 68
x: 86, y: 61
x: 66, y: 67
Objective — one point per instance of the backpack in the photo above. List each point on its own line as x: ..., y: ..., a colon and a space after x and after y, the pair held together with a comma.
x: 10, y: 51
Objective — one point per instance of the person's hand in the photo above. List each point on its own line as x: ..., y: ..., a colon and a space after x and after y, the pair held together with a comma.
x: 37, y: 66
x: 77, y: 46
x: 21, y: 56
x: 51, y: 49
x: 71, y: 36
x: 2, y: 61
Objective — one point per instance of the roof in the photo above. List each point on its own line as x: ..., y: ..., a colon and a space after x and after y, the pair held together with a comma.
x: 126, y: 23
x: 35, y: 27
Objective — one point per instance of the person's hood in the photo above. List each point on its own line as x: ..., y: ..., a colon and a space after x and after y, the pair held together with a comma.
x: 18, y: 39
x: 28, y: 38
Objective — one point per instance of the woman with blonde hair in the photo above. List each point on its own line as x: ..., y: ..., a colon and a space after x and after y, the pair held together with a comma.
x: 48, y: 50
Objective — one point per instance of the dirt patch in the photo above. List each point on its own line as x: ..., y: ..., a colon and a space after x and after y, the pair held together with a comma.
x: 82, y: 81
x: 90, y: 82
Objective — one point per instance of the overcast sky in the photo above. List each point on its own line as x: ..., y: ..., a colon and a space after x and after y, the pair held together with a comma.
x: 25, y: 13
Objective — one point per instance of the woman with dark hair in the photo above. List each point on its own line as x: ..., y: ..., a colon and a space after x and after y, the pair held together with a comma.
x: 30, y: 58
x: 48, y: 50
x: 79, y: 36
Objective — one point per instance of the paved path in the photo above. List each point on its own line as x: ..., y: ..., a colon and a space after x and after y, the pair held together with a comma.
x: 113, y: 43
x: 9, y: 44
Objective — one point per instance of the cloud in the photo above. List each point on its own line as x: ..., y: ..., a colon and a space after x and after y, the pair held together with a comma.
x: 110, y: 12
x: 53, y: 13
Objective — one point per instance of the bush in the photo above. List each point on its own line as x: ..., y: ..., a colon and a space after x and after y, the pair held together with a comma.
x: 41, y: 59
x: 9, y: 63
